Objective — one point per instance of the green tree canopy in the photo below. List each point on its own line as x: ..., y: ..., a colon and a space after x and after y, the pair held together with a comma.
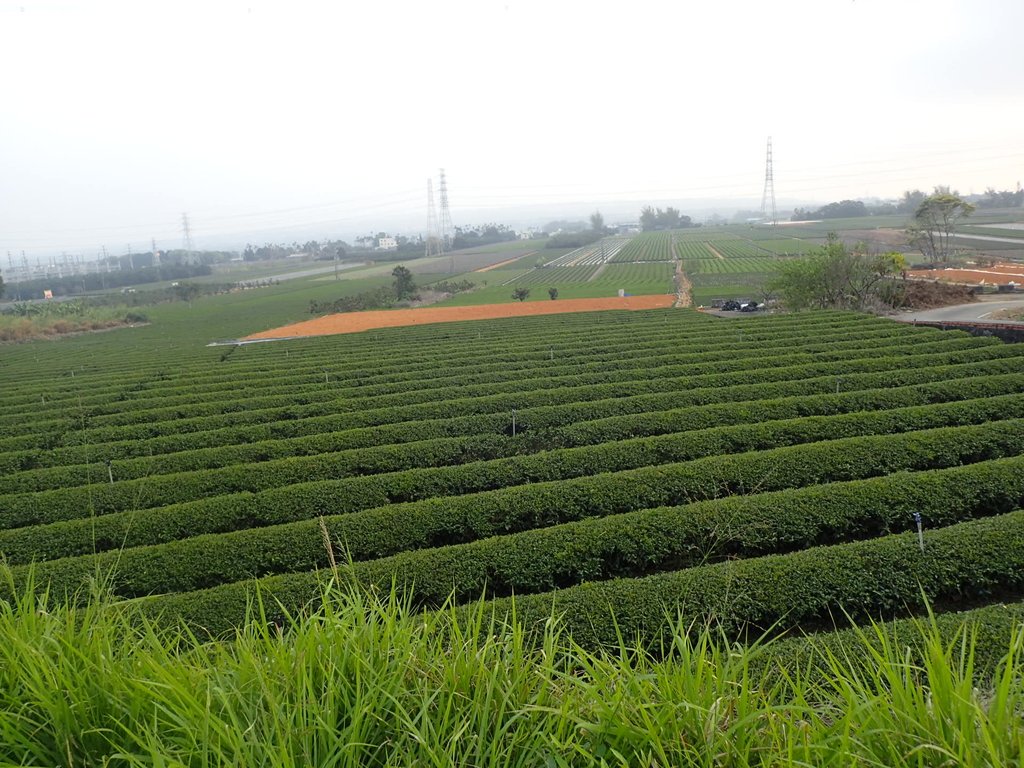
x: 934, y: 221
x: 186, y: 291
x: 910, y: 200
x: 403, y: 284
x: 521, y: 294
x: 836, y: 277
x: 670, y: 218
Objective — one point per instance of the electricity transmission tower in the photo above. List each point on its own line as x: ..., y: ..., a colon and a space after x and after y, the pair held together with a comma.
x: 187, y: 233
x: 446, y: 226
x: 769, y: 189
x: 433, y: 239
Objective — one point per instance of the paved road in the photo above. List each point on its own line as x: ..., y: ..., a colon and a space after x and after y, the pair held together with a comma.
x: 991, y: 239
x: 979, y: 312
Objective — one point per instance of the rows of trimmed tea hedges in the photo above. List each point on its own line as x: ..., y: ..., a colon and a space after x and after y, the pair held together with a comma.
x: 764, y: 470
x: 646, y: 246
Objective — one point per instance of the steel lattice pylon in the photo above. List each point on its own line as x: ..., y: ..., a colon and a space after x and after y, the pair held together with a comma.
x: 434, y: 242
x: 769, y: 189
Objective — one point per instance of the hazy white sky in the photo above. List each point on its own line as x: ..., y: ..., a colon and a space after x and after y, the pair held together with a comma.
x: 117, y: 116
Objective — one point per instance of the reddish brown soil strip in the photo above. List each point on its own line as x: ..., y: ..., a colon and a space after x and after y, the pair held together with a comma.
x: 504, y: 263
x: 353, y: 322
x: 1001, y: 273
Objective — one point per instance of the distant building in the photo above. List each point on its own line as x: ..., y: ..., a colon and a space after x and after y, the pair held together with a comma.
x: 387, y: 244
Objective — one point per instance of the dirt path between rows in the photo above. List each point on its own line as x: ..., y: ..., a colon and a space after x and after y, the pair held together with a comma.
x: 684, y: 289
x: 354, y: 322
x: 504, y: 263
x: 714, y: 250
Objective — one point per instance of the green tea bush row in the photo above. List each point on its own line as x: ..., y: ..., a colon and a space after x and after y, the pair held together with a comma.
x: 886, y: 578
x: 814, y: 589
x: 438, y: 522
x: 353, y: 398
x: 573, y: 434
x: 289, y: 422
x: 455, y: 457
x: 566, y: 394
x: 90, y: 399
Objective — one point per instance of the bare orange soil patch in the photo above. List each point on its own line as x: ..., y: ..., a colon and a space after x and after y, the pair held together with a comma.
x: 999, y: 274
x: 353, y: 322
x: 504, y: 263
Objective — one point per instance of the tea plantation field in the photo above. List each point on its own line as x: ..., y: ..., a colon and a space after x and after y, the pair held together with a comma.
x: 765, y: 472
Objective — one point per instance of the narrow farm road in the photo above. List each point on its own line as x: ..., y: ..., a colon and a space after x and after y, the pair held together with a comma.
x: 981, y: 311
x: 714, y: 250
x: 684, y: 295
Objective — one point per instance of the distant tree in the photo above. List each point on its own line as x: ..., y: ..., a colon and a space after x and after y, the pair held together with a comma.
x: 648, y: 218
x: 597, y: 221
x: 186, y: 291
x: 2, y: 287
x: 485, y: 234
x: 844, y: 209
x: 910, y: 200
x: 403, y: 284
x: 521, y: 294
x: 670, y: 218
x: 934, y: 220
x: 564, y: 225
x: 836, y: 277
x: 573, y: 239
x: 553, y: 293
x: 1004, y: 199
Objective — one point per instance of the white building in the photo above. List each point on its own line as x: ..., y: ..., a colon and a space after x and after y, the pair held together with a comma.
x: 387, y: 244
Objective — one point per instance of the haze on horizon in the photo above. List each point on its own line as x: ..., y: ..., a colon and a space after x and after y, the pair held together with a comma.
x: 327, y: 118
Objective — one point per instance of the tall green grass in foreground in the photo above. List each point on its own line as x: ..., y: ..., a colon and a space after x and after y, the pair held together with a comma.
x: 365, y: 681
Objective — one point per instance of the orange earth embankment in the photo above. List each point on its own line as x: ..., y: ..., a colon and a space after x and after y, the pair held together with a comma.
x: 353, y: 322
x: 999, y: 274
